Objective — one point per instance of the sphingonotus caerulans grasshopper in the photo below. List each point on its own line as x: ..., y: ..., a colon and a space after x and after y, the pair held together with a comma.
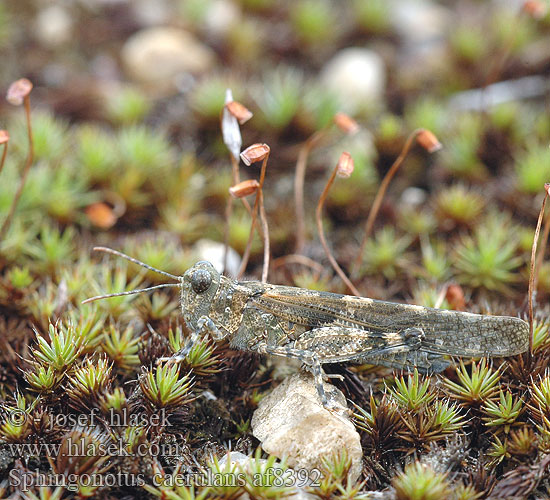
x: 321, y: 327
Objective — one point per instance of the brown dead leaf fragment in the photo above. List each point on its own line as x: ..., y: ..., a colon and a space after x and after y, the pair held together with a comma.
x: 455, y: 297
x: 521, y: 481
x: 101, y: 215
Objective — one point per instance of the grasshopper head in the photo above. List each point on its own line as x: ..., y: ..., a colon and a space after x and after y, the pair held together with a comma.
x: 199, y: 285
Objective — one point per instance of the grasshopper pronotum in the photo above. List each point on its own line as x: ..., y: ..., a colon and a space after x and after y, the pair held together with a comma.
x: 321, y: 327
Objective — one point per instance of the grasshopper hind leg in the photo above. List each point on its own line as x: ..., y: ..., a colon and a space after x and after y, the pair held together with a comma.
x: 310, y: 361
x: 425, y: 363
x: 334, y: 344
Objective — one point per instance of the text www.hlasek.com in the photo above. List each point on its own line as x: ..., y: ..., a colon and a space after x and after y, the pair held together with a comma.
x: 83, y: 448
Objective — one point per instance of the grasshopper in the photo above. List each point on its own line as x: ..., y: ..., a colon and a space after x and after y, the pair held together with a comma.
x: 321, y: 327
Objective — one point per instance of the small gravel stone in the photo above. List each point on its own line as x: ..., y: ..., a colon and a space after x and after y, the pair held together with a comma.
x: 421, y: 21
x: 358, y: 77
x: 162, y: 54
x: 53, y: 26
x: 424, y: 29
x: 292, y: 422
x: 222, y: 16
x: 213, y: 252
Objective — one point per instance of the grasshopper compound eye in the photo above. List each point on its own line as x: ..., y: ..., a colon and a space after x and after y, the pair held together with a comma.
x: 201, y: 280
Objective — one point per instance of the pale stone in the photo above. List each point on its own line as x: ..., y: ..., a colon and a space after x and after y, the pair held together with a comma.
x: 53, y: 26
x: 221, y: 17
x: 358, y: 77
x: 292, y: 422
x: 149, y: 13
x: 213, y: 252
x: 282, y: 368
x: 413, y: 196
x: 420, y: 21
x: 163, y: 54
x: 424, y: 29
x: 234, y: 458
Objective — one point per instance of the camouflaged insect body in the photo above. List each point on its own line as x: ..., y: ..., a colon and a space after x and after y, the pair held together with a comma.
x: 320, y: 327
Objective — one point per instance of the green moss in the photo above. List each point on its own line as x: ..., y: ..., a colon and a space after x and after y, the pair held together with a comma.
x: 51, y: 137
x: 426, y: 112
x: 420, y: 482
x: 279, y: 96
x: 164, y: 387
x: 319, y: 106
x: 372, y: 16
x: 389, y: 128
x: 469, y: 43
x: 207, y: 98
x: 459, y: 205
x: 313, y: 21
x: 127, y: 106
x: 475, y: 386
x: 384, y: 253
x: 96, y: 152
x: 532, y: 168
x: 489, y: 262
x: 461, y: 149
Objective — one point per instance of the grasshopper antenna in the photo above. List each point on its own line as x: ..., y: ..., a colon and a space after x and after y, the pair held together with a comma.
x: 135, y: 261
x: 139, y: 263
x: 131, y: 292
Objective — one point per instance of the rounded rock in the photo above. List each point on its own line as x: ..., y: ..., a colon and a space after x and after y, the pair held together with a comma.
x: 357, y: 76
x: 53, y: 26
x: 420, y: 22
x: 292, y: 422
x: 222, y: 17
x: 160, y: 55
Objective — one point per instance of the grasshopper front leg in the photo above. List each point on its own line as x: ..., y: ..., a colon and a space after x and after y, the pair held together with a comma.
x: 339, y: 344
x: 205, y: 326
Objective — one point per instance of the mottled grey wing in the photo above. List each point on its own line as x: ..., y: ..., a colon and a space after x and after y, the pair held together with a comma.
x: 445, y: 332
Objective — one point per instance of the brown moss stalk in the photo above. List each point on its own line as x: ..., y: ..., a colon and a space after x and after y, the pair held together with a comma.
x: 24, y: 95
x: 298, y: 259
x: 319, y: 218
x: 347, y: 125
x: 533, y: 271
x: 265, y: 228
x: 4, y: 139
x: 541, y: 251
x: 252, y: 155
x: 429, y: 142
x: 299, y: 180
x: 233, y: 114
x: 229, y: 210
